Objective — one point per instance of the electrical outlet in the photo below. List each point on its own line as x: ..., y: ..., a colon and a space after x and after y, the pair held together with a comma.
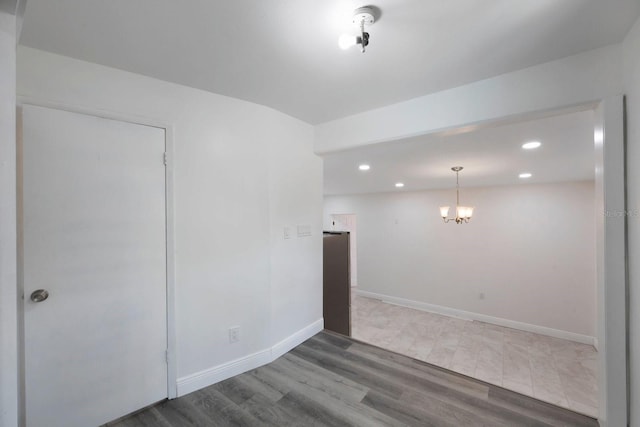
x: 234, y: 334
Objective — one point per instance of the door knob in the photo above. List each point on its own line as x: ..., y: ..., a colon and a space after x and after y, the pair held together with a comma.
x: 39, y: 295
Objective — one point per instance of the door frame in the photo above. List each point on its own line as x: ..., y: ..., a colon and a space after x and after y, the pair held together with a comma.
x: 611, y: 262
x: 172, y: 372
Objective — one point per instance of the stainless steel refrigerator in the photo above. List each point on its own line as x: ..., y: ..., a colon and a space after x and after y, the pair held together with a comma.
x: 337, y: 283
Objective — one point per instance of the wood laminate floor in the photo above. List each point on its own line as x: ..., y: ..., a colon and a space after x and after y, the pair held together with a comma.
x: 331, y: 380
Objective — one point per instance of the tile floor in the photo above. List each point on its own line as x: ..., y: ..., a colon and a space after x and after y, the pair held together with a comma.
x: 554, y: 370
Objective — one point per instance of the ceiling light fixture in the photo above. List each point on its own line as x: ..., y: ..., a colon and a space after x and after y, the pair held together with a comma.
x: 531, y: 145
x: 399, y: 184
x: 364, y: 167
x: 463, y: 213
x: 525, y: 175
x: 361, y: 17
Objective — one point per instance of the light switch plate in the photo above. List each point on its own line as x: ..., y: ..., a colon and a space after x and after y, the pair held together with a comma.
x: 304, y: 230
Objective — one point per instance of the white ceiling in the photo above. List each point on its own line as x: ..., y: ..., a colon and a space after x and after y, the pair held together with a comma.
x: 490, y: 156
x: 284, y: 53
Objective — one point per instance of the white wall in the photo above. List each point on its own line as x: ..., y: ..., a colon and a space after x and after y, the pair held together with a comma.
x: 231, y: 161
x: 295, y: 200
x: 8, y: 294
x: 631, y: 52
x: 573, y: 80
x: 530, y: 249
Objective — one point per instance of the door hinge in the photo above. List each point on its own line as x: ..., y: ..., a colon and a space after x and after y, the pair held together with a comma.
x: 165, y: 159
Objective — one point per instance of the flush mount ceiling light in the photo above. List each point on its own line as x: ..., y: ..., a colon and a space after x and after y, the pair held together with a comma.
x: 399, y: 184
x: 361, y: 17
x: 364, y: 167
x: 525, y: 175
x: 463, y: 213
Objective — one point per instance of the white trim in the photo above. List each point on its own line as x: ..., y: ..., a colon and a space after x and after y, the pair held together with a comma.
x: 172, y: 370
x: 468, y: 315
x: 611, y: 265
x: 296, y: 338
x: 92, y: 111
x: 219, y: 373
x: 172, y: 364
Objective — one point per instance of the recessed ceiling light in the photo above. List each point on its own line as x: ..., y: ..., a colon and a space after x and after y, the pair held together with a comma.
x: 364, y: 167
x: 399, y: 184
x: 531, y: 145
x: 525, y: 175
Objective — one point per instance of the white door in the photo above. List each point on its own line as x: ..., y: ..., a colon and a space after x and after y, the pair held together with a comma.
x: 93, y: 194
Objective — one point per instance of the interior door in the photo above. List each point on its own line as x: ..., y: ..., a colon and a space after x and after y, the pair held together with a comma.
x: 93, y: 267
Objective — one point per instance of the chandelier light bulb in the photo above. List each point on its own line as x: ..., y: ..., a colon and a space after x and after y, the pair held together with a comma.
x: 346, y: 41
x: 464, y: 212
x: 362, y: 17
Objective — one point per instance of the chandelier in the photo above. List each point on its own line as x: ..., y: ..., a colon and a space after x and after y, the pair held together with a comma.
x: 463, y: 213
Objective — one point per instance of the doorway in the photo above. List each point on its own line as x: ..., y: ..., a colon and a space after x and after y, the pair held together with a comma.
x: 386, y: 276
x: 93, y: 266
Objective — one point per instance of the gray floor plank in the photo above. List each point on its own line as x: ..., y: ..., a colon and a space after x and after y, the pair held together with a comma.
x: 179, y: 412
x: 527, y: 406
x: 448, y: 381
x: 419, y: 368
x: 147, y: 418
x: 220, y: 410
x: 464, y: 406
x: 259, y: 387
x: 407, y: 414
x: 336, y: 340
x: 349, y: 370
x: 395, y: 373
x: 320, y: 379
x: 308, y: 412
x: 331, y: 380
x: 269, y: 413
x: 235, y: 390
x: 338, y: 405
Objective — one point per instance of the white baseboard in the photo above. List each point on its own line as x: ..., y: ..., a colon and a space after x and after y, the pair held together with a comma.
x: 219, y: 373
x: 468, y: 315
x: 296, y: 339
x: 207, y: 377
